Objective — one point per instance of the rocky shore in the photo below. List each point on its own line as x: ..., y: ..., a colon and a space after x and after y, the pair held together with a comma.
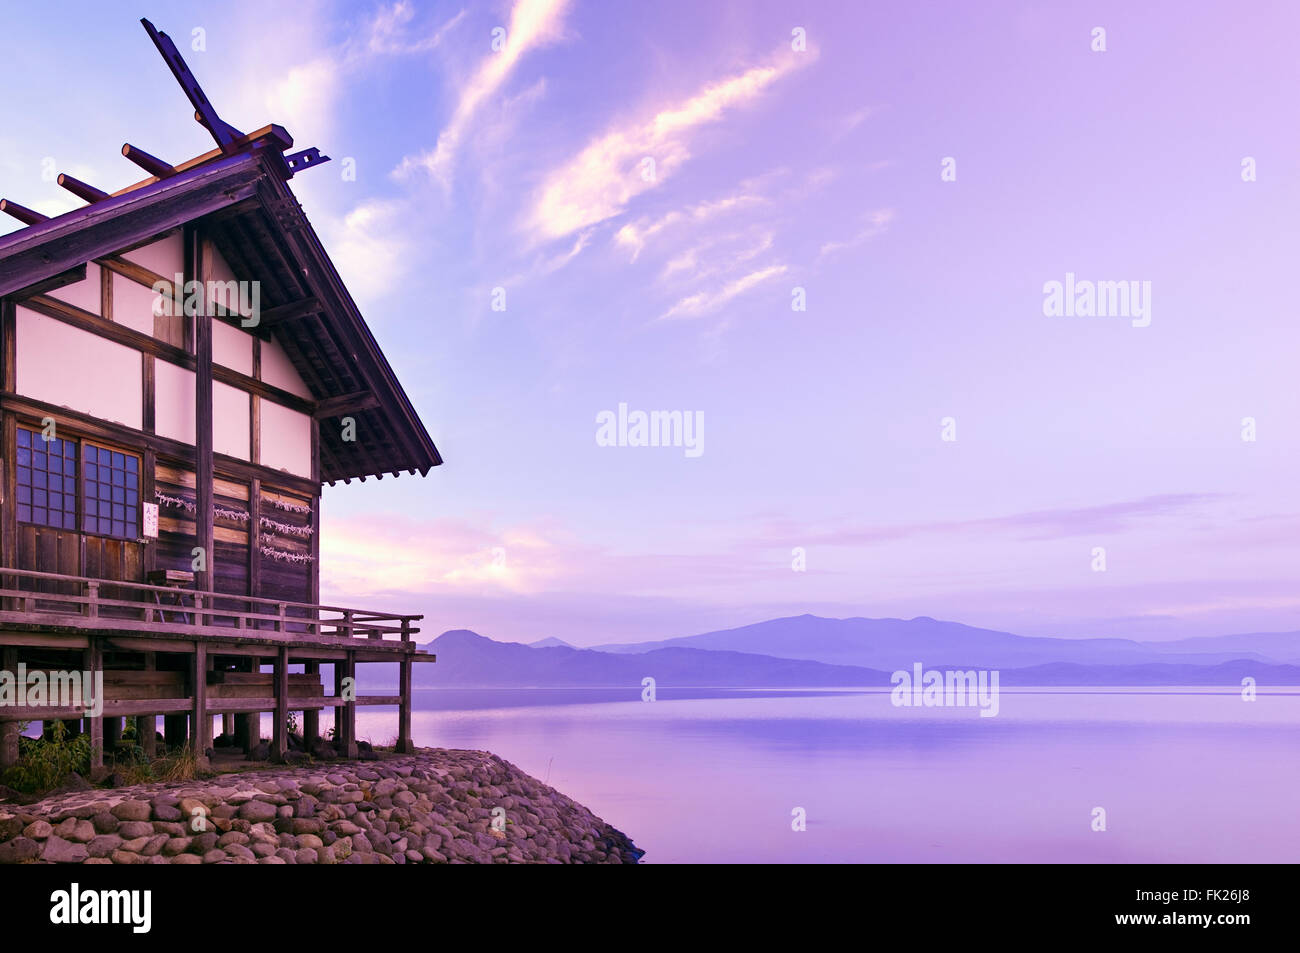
x: 435, y: 806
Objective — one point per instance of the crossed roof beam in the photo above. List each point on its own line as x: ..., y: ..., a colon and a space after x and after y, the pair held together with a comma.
x: 273, y: 139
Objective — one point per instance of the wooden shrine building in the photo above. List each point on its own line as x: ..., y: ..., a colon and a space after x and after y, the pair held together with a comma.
x: 162, y: 452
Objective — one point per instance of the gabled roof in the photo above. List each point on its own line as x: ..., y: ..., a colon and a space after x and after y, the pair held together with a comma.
x: 240, y: 199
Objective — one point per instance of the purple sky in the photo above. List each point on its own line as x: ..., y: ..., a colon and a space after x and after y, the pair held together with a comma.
x: 775, y: 169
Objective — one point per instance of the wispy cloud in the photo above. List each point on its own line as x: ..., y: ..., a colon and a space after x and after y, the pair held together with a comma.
x: 635, y: 235
x: 390, y: 33
x: 877, y: 222
x: 599, y: 182
x: 533, y: 23
x: 1059, y: 523
x: 718, y: 253
x: 382, y: 551
x: 371, y: 247
x: 706, y: 302
x: 304, y: 93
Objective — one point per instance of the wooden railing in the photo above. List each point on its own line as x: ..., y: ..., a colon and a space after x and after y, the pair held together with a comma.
x: 46, y: 598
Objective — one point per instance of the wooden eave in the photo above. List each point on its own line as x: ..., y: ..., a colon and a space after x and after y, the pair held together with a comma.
x: 243, y: 204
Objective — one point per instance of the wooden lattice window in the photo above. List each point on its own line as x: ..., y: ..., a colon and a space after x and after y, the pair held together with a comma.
x: 47, y: 480
x: 112, y: 491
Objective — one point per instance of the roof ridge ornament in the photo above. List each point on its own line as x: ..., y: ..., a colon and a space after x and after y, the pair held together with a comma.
x: 229, y: 139
x: 225, y: 134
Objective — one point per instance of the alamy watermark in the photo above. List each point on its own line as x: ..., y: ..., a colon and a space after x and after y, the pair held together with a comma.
x: 655, y: 428
x: 193, y: 299
x: 76, y: 906
x: 39, y: 688
x: 920, y: 688
x: 1098, y: 299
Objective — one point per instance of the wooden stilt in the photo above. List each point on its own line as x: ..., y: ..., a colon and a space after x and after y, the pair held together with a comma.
x: 9, y: 729
x: 404, y: 743
x: 200, y: 721
x: 311, y: 716
x: 93, y: 663
x: 146, y: 726
x: 112, y: 734
x: 146, y: 734
x: 345, y: 722
x: 174, y: 731
x: 280, y: 736
x: 247, y: 731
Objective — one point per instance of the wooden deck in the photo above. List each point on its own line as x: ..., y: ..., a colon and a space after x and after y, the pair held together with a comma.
x: 189, y: 655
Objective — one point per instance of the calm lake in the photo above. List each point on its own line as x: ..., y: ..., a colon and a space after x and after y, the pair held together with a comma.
x: 1184, y: 775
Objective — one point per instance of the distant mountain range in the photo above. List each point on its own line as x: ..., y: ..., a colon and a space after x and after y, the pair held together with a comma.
x: 466, y: 659
x: 551, y: 643
x: 811, y: 651
x: 897, y: 643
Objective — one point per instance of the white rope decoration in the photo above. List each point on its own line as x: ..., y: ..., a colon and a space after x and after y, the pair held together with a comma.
x: 220, y: 512
x: 284, y: 528
x: 285, y: 556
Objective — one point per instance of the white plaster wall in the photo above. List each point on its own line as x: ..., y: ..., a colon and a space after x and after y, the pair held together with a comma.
x: 279, y: 372
x: 174, y: 402
x: 286, y: 439
x: 165, y: 257
x: 230, y: 424
x: 133, y: 305
x: 86, y: 294
x: 174, y: 411
x: 69, y: 367
x: 232, y: 348
x: 218, y: 271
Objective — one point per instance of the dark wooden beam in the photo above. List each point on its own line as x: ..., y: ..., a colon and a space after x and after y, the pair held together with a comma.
x: 35, y: 253
x: 154, y: 166
x: 302, y: 308
x: 53, y: 283
x: 22, y: 212
x: 83, y: 191
x: 345, y: 404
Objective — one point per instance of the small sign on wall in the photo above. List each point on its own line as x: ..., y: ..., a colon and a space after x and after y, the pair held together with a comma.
x: 149, y: 512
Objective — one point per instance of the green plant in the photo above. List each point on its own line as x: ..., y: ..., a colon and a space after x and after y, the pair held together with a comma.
x: 180, y: 765
x: 44, y: 763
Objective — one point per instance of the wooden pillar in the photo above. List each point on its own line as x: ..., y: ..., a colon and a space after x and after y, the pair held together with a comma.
x: 93, y: 663
x: 248, y: 733
x: 345, y: 721
x: 146, y: 733
x: 112, y: 734
x: 200, y: 721
x: 196, y: 270
x: 146, y: 726
x: 310, y: 716
x: 9, y: 729
x: 174, y: 730
x: 228, y: 724
x: 248, y: 725
x: 280, y: 736
x: 255, y: 540
x: 404, y: 743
